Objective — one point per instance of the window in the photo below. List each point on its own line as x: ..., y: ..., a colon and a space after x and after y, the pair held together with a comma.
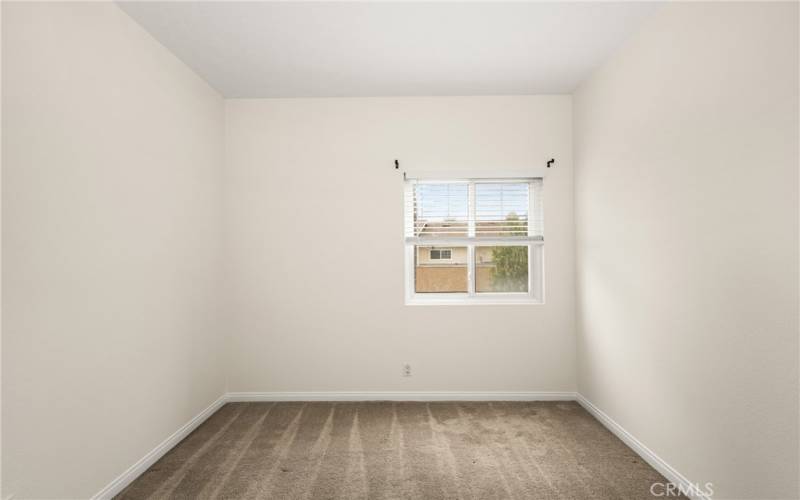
x: 474, y: 241
x: 437, y: 254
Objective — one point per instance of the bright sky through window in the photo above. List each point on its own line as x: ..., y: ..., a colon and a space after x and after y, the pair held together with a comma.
x: 438, y: 202
x: 496, y: 201
x: 493, y: 201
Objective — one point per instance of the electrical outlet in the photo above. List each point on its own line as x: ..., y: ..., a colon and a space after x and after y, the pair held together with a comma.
x: 406, y: 370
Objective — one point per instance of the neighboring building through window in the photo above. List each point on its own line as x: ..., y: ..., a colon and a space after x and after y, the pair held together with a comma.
x: 475, y: 241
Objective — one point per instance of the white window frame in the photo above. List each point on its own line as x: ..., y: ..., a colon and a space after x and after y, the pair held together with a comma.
x: 535, y: 293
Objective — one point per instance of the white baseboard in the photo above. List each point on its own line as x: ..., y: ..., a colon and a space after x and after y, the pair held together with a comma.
x: 643, y: 451
x: 401, y: 396
x: 134, y: 471
x: 672, y: 475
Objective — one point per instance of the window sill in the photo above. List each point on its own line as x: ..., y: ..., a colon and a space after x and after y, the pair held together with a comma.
x: 474, y: 302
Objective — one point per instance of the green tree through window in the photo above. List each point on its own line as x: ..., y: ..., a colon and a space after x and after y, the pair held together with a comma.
x: 511, y: 262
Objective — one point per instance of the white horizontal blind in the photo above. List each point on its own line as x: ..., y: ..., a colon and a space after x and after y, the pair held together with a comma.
x: 437, y: 209
x: 463, y: 209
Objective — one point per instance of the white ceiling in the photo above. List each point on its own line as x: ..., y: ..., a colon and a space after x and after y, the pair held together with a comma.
x: 309, y: 49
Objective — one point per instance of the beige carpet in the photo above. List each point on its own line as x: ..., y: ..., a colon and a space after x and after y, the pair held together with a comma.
x: 526, y: 450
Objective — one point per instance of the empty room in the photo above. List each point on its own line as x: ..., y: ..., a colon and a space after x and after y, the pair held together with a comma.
x: 400, y: 250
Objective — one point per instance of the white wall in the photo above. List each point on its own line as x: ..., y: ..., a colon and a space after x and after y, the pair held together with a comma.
x: 311, y: 183
x: 112, y: 151
x: 686, y: 154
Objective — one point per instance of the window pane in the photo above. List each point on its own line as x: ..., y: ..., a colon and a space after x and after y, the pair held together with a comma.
x: 434, y: 275
x: 501, y: 269
x: 501, y: 209
x: 441, y: 209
